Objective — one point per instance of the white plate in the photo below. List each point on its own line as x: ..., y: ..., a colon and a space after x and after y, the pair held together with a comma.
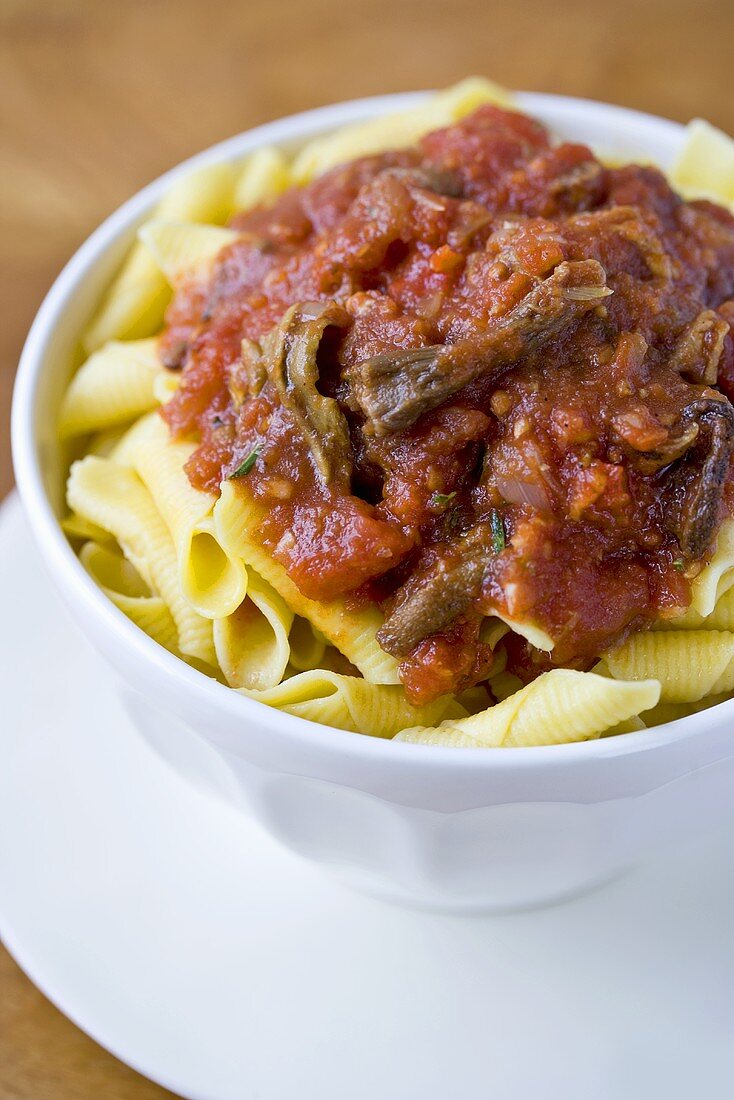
x: 186, y: 942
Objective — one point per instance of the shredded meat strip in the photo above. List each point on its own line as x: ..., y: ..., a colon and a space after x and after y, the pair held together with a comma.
x: 289, y: 359
x: 703, y: 474
x: 437, y: 593
x: 393, y: 389
x: 698, y: 349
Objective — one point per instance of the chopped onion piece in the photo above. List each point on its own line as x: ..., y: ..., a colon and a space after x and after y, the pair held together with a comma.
x: 586, y: 293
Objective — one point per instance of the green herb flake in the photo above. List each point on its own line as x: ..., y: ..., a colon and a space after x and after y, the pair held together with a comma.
x: 246, y: 465
x: 498, y: 532
x: 439, y: 500
x: 679, y: 564
x: 453, y: 519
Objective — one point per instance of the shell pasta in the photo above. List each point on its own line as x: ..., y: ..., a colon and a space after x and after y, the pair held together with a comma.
x: 135, y: 302
x: 367, y: 433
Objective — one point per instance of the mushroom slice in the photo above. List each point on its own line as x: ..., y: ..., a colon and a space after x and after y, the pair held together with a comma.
x: 702, y: 475
x: 289, y: 356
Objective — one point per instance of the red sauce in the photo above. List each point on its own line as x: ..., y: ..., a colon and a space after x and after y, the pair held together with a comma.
x: 429, y: 247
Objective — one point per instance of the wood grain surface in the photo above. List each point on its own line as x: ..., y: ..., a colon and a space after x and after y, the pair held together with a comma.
x: 98, y: 98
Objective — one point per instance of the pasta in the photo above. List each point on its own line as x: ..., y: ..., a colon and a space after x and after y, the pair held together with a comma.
x: 307, y: 646
x: 134, y: 304
x: 718, y: 576
x: 352, y: 632
x: 705, y: 166
x: 114, y: 498
x: 183, y: 249
x: 349, y: 703
x: 689, y: 664
x: 213, y: 582
x: 252, y: 643
x: 395, y: 131
x: 264, y: 175
x: 114, y: 386
x: 79, y: 528
x: 215, y: 504
x: 560, y: 706
x: 126, y: 589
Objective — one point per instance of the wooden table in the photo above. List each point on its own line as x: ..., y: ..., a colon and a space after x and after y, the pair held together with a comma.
x: 98, y: 98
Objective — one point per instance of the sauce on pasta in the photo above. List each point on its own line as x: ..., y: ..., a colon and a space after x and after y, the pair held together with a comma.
x: 487, y: 375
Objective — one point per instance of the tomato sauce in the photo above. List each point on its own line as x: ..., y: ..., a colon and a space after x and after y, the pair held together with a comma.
x: 585, y: 429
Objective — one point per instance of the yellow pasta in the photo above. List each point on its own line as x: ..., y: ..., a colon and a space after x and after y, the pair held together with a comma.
x: 136, y: 300
x: 504, y: 684
x: 252, y: 643
x: 237, y: 521
x: 532, y: 633
x: 121, y: 583
x: 493, y: 630
x: 397, y: 130
x: 152, y: 615
x: 111, y: 569
x: 471, y: 701
x: 128, y: 444
x: 448, y: 735
x: 204, y: 194
x: 499, y: 664
x: 560, y: 706
x: 113, y: 497
x: 104, y: 444
x: 212, y: 581
x: 183, y: 250
x: 721, y: 618
x: 264, y: 175
x: 307, y: 647
x: 705, y: 165
x: 134, y: 305
x: 349, y: 703
x: 115, y: 385
x: 671, y: 712
x: 689, y: 664
x: 629, y: 725
x: 165, y: 384
x: 717, y: 577
x: 75, y: 526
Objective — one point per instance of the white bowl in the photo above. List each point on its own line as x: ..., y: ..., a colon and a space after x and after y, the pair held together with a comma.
x: 459, y: 829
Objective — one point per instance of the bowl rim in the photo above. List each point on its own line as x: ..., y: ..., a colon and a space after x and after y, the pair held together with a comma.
x: 80, y: 590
